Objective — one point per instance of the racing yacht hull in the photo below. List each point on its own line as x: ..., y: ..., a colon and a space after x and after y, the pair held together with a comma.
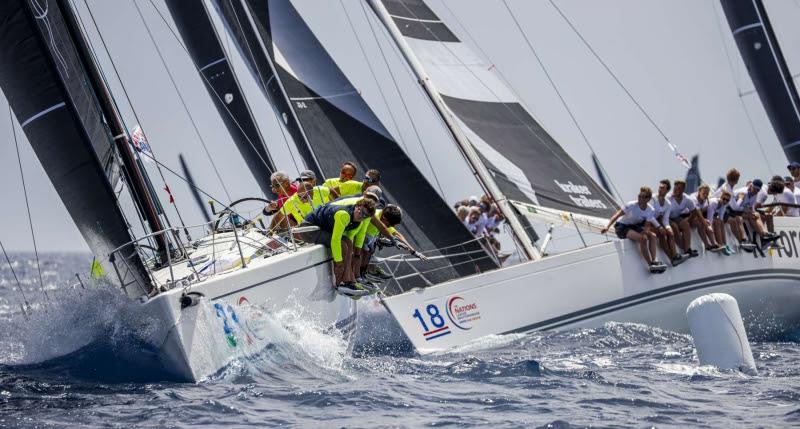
x: 606, y: 282
x: 194, y: 342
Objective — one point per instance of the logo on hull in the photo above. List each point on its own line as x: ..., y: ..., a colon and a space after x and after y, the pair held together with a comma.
x: 462, y: 314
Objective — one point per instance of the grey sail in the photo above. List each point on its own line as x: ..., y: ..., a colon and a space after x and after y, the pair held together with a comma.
x: 338, y: 126
x: 48, y: 89
x: 205, y: 49
x: 526, y: 162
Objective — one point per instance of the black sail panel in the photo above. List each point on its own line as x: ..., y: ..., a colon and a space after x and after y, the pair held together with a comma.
x: 527, y: 163
x: 47, y: 88
x: 249, y: 44
x: 202, y: 42
x: 339, y: 126
x: 767, y: 67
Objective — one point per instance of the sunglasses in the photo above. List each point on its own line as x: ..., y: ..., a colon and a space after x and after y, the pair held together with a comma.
x: 370, y: 180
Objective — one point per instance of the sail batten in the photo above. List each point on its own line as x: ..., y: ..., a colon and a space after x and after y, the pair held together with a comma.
x: 524, y: 160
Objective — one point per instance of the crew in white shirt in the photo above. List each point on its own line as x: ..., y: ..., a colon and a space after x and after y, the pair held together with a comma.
x: 794, y: 171
x: 782, y: 194
x: 666, y: 237
x: 749, y: 199
x: 731, y: 180
x: 632, y: 218
x: 704, y: 229
x: 789, y: 182
x: 681, y: 211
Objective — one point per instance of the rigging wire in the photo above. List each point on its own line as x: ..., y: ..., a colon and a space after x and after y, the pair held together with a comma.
x: 27, y: 203
x: 265, y: 86
x: 183, y: 103
x: 19, y: 285
x: 205, y: 80
x: 130, y: 103
x: 116, y: 159
x: 735, y: 72
x: 561, y: 97
x: 372, y: 72
x: 401, y: 98
x: 610, y: 72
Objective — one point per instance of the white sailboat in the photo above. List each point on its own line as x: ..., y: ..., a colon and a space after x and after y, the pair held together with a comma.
x: 192, y: 292
x: 583, y: 287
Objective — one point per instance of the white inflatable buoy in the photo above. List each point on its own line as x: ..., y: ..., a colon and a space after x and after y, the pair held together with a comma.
x: 718, y: 333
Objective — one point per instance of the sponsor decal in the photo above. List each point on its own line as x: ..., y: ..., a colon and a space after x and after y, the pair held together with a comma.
x: 462, y: 313
x: 583, y: 193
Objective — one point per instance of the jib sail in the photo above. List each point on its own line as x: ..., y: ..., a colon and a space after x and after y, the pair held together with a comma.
x: 527, y: 164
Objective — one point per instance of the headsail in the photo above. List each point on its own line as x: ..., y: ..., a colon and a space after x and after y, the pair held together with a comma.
x: 47, y: 87
x: 203, y: 44
x: 526, y: 162
x: 338, y: 126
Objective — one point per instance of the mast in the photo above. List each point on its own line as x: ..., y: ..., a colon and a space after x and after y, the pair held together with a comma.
x: 767, y: 67
x: 478, y: 167
x: 141, y: 193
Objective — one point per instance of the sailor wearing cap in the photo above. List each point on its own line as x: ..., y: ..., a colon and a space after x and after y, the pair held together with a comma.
x: 750, y: 198
x: 794, y: 171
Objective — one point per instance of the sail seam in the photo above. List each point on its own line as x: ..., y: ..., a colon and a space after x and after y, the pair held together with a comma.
x: 42, y: 113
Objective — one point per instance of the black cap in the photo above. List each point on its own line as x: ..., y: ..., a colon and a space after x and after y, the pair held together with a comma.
x: 306, y: 174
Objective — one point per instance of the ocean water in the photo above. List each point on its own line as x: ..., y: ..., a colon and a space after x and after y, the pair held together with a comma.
x: 75, y: 362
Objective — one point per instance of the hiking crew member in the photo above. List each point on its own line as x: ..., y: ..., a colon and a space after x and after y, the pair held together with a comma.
x: 788, y: 181
x: 342, y: 225
x: 354, y: 187
x: 632, y: 218
x: 682, y: 209
x: 794, y: 171
x: 698, y: 220
x: 781, y: 194
x: 716, y: 214
x: 749, y: 199
x: 390, y: 216
x: 307, y: 198
x: 731, y: 180
x: 666, y: 237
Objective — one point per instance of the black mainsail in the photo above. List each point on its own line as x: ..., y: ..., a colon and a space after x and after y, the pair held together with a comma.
x: 338, y: 126
x: 526, y: 163
x: 766, y: 64
x: 202, y: 42
x: 42, y: 77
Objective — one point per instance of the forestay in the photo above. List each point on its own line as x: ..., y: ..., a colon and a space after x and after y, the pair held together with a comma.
x: 526, y: 162
x: 48, y: 89
x: 337, y: 125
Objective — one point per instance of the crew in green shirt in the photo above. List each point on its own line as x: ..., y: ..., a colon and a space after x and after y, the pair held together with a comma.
x: 342, y: 225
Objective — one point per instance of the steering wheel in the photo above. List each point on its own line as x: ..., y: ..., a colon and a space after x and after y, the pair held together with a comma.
x: 229, y: 213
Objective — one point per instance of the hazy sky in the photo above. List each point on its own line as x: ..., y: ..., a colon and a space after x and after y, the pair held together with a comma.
x: 675, y: 56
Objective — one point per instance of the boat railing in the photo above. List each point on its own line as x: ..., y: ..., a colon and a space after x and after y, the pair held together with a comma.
x: 126, y: 257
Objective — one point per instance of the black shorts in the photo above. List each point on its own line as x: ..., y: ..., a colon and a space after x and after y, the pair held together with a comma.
x: 680, y: 217
x: 729, y: 213
x: 622, y: 229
